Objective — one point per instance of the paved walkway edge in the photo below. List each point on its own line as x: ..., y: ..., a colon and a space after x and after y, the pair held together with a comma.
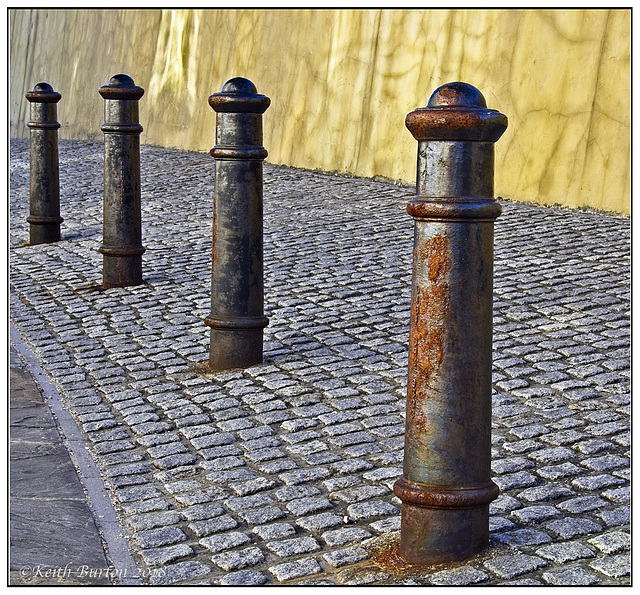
x: 104, y: 514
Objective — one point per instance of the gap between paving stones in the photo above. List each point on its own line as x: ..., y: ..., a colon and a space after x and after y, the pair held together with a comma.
x: 248, y: 477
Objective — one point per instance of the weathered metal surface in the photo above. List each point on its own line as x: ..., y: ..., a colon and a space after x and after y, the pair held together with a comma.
x: 446, y: 487
x: 122, y: 220
x: 44, y: 185
x: 237, y: 289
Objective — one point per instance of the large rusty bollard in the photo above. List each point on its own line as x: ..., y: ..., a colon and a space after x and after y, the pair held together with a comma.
x: 122, y: 226
x: 44, y: 185
x: 446, y: 486
x: 237, y: 289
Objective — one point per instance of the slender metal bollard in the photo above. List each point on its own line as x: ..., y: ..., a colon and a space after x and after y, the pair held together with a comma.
x: 237, y: 289
x: 446, y: 486
x: 44, y: 185
x: 122, y: 226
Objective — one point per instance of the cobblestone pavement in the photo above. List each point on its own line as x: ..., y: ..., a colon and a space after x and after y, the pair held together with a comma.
x: 283, y: 473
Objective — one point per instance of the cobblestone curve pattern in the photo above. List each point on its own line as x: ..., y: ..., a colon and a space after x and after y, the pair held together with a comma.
x: 283, y: 473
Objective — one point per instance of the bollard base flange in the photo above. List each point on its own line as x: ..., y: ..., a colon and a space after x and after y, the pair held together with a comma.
x: 235, y: 349
x: 44, y: 232
x: 443, y: 524
x: 121, y: 265
x: 122, y: 272
x: 433, y: 536
x: 235, y: 342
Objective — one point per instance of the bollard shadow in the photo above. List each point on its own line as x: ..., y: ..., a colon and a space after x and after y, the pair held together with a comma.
x: 155, y: 278
x: 91, y: 288
x: 67, y: 237
x: 100, y: 288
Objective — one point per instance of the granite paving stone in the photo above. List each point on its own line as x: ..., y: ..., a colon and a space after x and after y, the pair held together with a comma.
x: 290, y: 547
x: 215, y: 525
x: 320, y: 521
x: 153, y: 538
x: 596, y: 482
x: 244, y: 577
x: 350, y: 555
x: 613, y: 566
x: 618, y: 495
x: 565, y: 552
x: 274, y: 531
x: 170, y: 574
x: 307, y: 505
x: 257, y: 516
x: 236, y: 559
x: 298, y: 568
x: 516, y: 537
x: 458, y: 577
x: 571, y: 527
x: 166, y: 555
x: 225, y: 541
x: 345, y: 535
x: 153, y: 520
x: 572, y: 576
x: 612, y: 543
x: 511, y: 566
x: 616, y: 516
x: 277, y: 474
x: 536, y: 514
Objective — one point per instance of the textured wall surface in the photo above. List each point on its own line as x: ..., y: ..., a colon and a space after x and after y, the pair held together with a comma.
x: 342, y: 81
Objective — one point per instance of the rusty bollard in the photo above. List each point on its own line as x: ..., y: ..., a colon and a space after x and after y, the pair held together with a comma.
x: 237, y: 288
x: 446, y: 486
x: 44, y: 185
x: 122, y: 226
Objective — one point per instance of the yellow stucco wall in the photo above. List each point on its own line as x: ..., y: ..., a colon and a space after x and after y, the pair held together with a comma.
x: 342, y: 81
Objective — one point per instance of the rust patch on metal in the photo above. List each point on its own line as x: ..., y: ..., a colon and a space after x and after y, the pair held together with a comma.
x: 429, y: 311
x: 437, y: 256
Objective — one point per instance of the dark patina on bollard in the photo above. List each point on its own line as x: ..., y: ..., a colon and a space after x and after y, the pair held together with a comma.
x: 122, y: 226
x: 44, y: 185
x: 237, y: 288
x: 446, y: 484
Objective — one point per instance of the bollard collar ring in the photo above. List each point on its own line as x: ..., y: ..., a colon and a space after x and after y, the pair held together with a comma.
x: 475, y: 208
x: 444, y: 497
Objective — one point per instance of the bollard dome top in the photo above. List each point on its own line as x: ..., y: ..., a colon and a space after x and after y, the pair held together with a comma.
x: 121, y: 86
x: 457, y: 95
x: 456, y: 111
x: 239, y: 86
x: 239, y: 95
x: 43, y: 93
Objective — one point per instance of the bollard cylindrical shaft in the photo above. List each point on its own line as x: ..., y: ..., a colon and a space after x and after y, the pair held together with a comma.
x: 237, y: 289
x: 122, y: 226
x: 446, y: 484
x: 44, y: 186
